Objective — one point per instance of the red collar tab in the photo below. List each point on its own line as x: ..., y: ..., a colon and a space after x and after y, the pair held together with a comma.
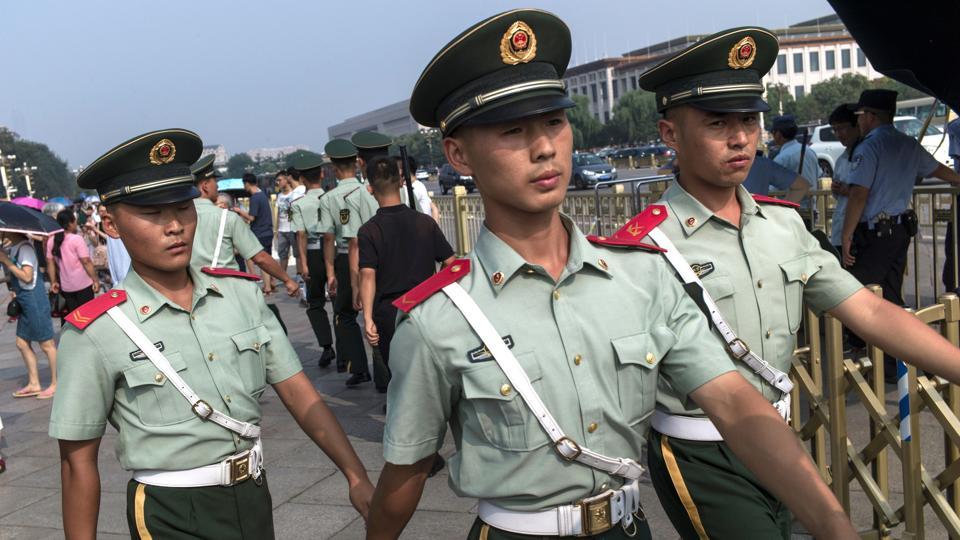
x: 640, y: 226
x: 87, y: 313
x: 229, y: 272
x: 613, y: 241
x: 451, y: 274
x: 763, y: 199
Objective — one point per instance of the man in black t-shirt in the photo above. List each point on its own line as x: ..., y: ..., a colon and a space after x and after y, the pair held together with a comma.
x: 399, y: 248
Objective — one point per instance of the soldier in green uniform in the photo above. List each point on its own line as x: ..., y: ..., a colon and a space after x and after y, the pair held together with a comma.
x: 176, y: 361
x: 336, y: 219
x: 220, y: 231
x: 759, y: 265
x: 304, y: 214
x: 544, y: 348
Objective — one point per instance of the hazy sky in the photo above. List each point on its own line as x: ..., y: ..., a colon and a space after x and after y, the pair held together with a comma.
x: 82, y: 76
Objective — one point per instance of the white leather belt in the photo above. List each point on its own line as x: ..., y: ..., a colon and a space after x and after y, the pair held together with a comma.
x: 590, y: 516
x: 699, y: 428
x: 314, y: 244
x: 229, y: 472
x: 342, y: 250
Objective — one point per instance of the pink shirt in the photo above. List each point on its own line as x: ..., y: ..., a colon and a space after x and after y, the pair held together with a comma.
x: 73, y: 277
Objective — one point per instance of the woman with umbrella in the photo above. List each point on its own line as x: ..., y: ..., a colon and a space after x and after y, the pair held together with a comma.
x: 20, y: 261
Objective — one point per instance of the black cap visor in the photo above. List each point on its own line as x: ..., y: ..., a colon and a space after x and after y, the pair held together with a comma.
x: 169, y: 195
x: 731, y: 104
x: 530, y: 104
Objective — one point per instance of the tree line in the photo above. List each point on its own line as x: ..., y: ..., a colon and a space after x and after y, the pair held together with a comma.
x: 52, y: 177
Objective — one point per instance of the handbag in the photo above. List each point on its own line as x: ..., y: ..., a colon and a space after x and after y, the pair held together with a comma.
x: 14, y: 309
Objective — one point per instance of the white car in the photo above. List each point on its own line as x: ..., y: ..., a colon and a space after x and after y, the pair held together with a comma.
x: 422, y: 175
x: 824, y: 142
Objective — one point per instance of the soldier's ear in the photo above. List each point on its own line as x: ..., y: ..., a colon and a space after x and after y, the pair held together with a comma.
x: 668, y: 132
x: 455, y: 151
x: 109, y: 224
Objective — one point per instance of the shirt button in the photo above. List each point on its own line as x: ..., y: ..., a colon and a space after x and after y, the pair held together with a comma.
x: 193, y: 317
x: 759, y: 283
x: 650, y: 357
x: 592, y: 427
x: 577, y: 359
x: 556, y: 294
x: 210, y: 357
x: 505, y: 390
x: 256, y: 346
x: 226, y: 398
x: 803, y: 278
x: 159, y: 378
x: 769, y: 333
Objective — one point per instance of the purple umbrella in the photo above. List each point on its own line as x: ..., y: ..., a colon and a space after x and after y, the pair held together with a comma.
x: 29, y: 202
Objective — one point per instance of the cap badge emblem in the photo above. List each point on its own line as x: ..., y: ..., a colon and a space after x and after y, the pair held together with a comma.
x: 163, y: 152
x: 518, y: 45
x: 742, y: 54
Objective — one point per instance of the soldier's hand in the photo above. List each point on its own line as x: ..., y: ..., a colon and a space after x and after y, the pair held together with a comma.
x: 331, y: 286
x: 360, y: 497
x: 848, y: 258
x: 292, y: 288
x: 372, y: 336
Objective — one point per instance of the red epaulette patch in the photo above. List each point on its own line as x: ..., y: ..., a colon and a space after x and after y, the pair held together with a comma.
x: 87, y: 313
x: 635, y: 230
x: 434, y: 283
x: 773, y: 200
x: 229, y: 272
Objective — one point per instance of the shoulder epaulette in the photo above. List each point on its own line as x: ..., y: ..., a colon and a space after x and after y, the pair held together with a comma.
x: 87, y: 313
x: 763, y: 199
x: 351, y: 192
x: 635, y: 230
x: 452, y: 273
x: 229, y: 272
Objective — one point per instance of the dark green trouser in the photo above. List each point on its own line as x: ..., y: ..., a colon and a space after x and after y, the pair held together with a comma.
x: 707, y: 492
x: 350, y: 351
x: 240, y: 512
x: 482, y: 531
x: 317, y: 298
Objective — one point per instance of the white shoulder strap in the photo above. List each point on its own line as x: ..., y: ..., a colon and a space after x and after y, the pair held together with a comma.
x: 565, y: 446
x: 200, y: 407
x: 216, y: 250
x: 735, y: 345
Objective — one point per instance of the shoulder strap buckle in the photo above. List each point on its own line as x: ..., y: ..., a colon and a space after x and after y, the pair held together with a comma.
x: 738, y: 348
x: 202, y: 409
x: 565, y: 445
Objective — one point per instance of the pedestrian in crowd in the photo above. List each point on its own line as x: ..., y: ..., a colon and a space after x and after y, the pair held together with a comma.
x: 551, y: 341
x: 752, y: 266
x: 260, y: 219
x: 424, y: 203
x: 335, y: 223
x: 791, y: 152
x: 950, y: 244
x: 224, y: 200
x: 117, y: 259
x: 19, y: 259
x: 177, y: 346
x: 221, y: 232
x: 766, y: 173
x: 399, y: 248
x: 843, y: 121
x: 69, y: 267
x: 289, y: 191
x: 309, y: 241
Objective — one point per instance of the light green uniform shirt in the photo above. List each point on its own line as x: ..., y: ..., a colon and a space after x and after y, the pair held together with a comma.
x: 593, y: 343
x: 236, y: 236
x: 362, y: 205
x: 760, y: 275
x: 227, y: 350
x: 335, y: 215
x: 305, y: 217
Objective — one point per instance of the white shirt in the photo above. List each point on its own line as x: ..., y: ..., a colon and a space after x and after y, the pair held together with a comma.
x: 423, y: 198
x: 284, y: 203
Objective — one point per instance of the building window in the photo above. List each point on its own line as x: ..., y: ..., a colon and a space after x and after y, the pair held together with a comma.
x: 593, y: 92
x: 574, y: 90
x: 861, y: 58
x: 633, y: 82
x: 593, y: 76
x: 798, y: 91
x: 616, y: 90
x: 603, y: 91
x: 606, y: 116
x: 623, y: 85
x: 782, y: 64
x: 845, y: 58
x: 814, y: 61
x: 798, y: 62
x: 831, y: 60
x: 583, y: 90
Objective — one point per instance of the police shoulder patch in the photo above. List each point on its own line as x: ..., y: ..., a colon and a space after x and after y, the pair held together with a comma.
x: 229, y: 272
x: 434, y: 283
x: 763, y: 199
x: 89, y: 312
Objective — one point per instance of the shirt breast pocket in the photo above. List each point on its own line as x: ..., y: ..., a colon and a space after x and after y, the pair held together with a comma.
x: 504, y: 418
x: 158, y: 402
x: 638, y: 366
x: 721, y: 289
x: 250, y: 360
x: 796, y: 273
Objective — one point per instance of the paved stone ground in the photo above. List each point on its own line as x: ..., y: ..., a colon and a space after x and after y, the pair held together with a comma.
x: 309, y: 496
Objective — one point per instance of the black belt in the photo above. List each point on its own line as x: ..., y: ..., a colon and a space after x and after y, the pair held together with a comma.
x: 892, y: 220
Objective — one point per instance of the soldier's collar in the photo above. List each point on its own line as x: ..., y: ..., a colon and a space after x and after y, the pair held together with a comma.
x: 692, y: 214
x: 147, y: 301
x: 347, y: 181
x: 499, y: 262
x: 203, y: 201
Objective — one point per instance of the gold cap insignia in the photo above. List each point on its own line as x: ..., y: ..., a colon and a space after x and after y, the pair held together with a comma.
x: 163, y: 152
x: 742, y: 54
x: 518, y: 45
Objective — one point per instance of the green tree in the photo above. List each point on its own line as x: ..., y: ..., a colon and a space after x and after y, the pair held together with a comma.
x: 824, y: 97
x: 51, y: 179
x: 635, y: 118
x: 239, y: 164
x: 586, y: 128
x: 780, y: 101
x: 425, y: 147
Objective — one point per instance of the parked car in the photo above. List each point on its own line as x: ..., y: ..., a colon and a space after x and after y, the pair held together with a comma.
x: 449, y: 177
x: 625, y: 153
x: 588, y: 169
x: 660, y: 152
x: 824, y: 142
x: 422, y: 174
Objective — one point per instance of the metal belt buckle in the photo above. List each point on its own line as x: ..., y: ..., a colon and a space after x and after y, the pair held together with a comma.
x: 738, y: 343
x: 596, y: 516
x: 571, y: 442
x: 239, y: 468
x: 206, y: 406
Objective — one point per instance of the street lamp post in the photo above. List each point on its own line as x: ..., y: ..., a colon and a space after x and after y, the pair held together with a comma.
x: 25, y: 170
x: 7, y: 188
